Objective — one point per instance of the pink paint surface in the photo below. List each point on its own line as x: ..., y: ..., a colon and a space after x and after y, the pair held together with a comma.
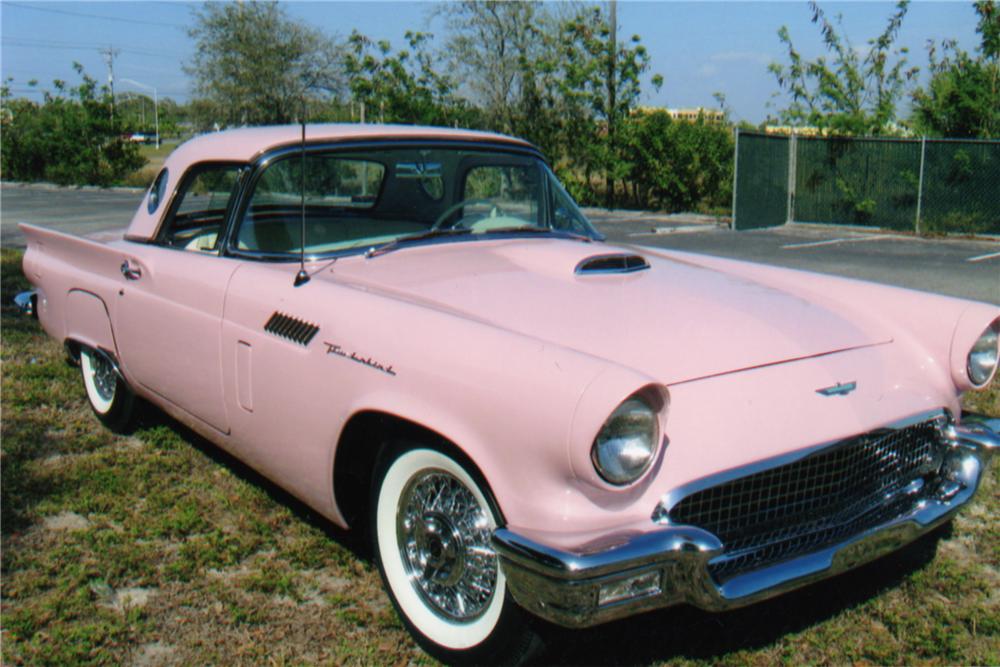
x: 498, y: 346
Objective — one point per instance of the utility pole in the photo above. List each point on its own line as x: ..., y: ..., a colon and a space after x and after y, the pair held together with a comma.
x: 609, y: 181
x: 110, y: 54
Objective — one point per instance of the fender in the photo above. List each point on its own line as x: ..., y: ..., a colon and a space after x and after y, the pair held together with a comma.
x: 88, y: 321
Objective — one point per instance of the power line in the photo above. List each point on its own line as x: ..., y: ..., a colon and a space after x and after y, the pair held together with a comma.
x: 50, y: 44
x: 68, y: 12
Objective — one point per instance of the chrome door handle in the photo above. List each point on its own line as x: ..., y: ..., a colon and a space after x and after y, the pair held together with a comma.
x: 130, y: 272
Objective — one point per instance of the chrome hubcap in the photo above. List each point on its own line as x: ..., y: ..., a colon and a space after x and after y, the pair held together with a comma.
x: 104, y: 377
x: 444, y: 540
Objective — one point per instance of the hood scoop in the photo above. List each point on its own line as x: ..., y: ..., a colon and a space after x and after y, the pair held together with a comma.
x: 611, y: 263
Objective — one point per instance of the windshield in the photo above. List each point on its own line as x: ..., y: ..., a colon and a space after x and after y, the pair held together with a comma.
x: 362, y: 198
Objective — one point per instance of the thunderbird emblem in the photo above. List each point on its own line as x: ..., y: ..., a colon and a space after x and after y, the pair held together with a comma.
x: 839, y: 389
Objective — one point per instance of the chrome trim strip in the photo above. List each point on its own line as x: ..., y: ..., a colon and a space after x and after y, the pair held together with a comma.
x: 563, y: 585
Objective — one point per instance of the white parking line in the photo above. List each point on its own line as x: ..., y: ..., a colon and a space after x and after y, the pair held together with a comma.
x: 681, y: 229
x: 982, y: 257
x: 852, y: 239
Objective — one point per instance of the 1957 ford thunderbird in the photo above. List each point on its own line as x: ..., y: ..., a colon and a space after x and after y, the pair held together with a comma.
x: 416, y: 332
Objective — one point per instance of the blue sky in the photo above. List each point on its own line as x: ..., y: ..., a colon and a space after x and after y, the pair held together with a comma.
x: 698, y: 47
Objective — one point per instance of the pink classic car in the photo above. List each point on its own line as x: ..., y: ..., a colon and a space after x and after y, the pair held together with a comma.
x: 416, y: 332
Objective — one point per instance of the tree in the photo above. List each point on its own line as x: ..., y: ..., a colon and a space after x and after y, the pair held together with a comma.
x: 853, y: 93
x: 494, y: 47
x: 589, y: 61
x: 68, y: 139
x: 962, y: 98
x: 678, y: 165
x: 403, y: 86
x: 256, y: 66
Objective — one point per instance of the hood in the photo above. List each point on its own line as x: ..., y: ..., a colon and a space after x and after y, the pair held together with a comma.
x: 675, y: 321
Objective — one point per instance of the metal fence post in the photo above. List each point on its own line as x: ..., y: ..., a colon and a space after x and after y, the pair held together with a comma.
x: 920, y: 182
x: 736, y: 171
x: 792, y: 158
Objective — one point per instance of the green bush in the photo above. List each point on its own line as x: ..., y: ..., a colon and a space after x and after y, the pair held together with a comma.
x: 67, y: 139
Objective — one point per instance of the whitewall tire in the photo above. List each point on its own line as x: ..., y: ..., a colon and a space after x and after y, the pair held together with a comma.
x: 432, y: 526
x: 109, y: 395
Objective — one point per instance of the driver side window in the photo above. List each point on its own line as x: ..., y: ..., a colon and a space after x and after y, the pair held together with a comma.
x: 512, y: 189
x: 198, y: 215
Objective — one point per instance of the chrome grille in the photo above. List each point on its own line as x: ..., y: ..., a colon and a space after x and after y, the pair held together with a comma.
x: 808, y: 504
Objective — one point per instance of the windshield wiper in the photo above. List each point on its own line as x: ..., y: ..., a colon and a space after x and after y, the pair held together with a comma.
x: 531, y: 229
x: 420, y: 236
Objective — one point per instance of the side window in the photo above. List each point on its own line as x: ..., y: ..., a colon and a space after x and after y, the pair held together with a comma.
x: 157, y: 191
x: 566, y: 216
x: 510, y: 191
x: 338, y: 192
x: 197, y: 220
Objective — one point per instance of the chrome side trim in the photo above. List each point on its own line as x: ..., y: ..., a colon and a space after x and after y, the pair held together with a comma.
x: 563, y: 585
x: 26, y: 303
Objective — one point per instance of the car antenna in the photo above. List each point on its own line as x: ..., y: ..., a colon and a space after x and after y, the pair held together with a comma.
x: 301, y: 278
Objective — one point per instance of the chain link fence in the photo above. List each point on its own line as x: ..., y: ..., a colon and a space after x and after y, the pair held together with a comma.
x: 923, y: 185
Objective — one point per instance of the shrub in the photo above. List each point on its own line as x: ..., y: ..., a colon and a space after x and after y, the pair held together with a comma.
x: 68, y: 138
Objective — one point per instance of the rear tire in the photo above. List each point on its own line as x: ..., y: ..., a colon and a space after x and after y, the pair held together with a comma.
x: 110, y: 397
x: 431, y: 529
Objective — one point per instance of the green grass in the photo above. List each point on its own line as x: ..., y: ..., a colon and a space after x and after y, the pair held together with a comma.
x: 156, y: 546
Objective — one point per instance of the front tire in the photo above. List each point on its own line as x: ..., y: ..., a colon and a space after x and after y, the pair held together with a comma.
x: 432, y: 530
x: 110, y: 397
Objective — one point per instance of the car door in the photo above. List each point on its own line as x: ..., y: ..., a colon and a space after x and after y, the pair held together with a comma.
x: 170, y: 305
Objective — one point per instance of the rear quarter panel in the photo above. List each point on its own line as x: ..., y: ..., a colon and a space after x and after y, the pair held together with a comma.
x: 76, y: 279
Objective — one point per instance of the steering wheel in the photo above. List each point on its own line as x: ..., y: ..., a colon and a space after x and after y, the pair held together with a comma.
x: 494, y: 212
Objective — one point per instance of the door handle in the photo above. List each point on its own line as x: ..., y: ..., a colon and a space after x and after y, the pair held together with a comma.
x: 131, y: 272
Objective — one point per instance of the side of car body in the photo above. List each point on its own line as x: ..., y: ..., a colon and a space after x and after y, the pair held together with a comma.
x: 498, y: 360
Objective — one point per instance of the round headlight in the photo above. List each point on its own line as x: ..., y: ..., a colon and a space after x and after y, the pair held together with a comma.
x: 626, y: 445
x: 983, y: 356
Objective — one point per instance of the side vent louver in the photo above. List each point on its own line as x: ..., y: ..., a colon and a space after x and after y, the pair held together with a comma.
x: 291, y: 328
x: 615, y: 263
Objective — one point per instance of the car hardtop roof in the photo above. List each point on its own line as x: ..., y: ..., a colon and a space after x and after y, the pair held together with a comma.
x: 246, y: 143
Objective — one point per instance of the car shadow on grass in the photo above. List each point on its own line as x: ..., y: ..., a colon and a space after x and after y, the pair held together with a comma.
x: 355, y: 541
x: 685, y: 632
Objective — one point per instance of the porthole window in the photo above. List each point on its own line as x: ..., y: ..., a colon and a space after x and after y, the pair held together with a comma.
x: 157, y: 191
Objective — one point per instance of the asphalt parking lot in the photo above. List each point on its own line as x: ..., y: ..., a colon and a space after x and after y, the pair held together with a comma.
x: 968, y: 268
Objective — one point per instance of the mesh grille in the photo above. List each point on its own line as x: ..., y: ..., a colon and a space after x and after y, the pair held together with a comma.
x: 803, y: 506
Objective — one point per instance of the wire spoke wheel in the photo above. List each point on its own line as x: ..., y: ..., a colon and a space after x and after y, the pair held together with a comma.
x: 109, y: 395
x: 432, y: 528
x: 444, y: 540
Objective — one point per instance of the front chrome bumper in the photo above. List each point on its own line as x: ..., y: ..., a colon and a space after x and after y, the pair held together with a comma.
x: 668, y: 565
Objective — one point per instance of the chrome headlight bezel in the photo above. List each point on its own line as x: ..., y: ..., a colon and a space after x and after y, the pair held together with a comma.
x: 982, y: 359
x: 628, y: 442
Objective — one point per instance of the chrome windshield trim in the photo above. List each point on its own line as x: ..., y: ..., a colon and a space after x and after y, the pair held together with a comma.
x: 373, y: 248
x: 259, y: 164
x: 674, y: 496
